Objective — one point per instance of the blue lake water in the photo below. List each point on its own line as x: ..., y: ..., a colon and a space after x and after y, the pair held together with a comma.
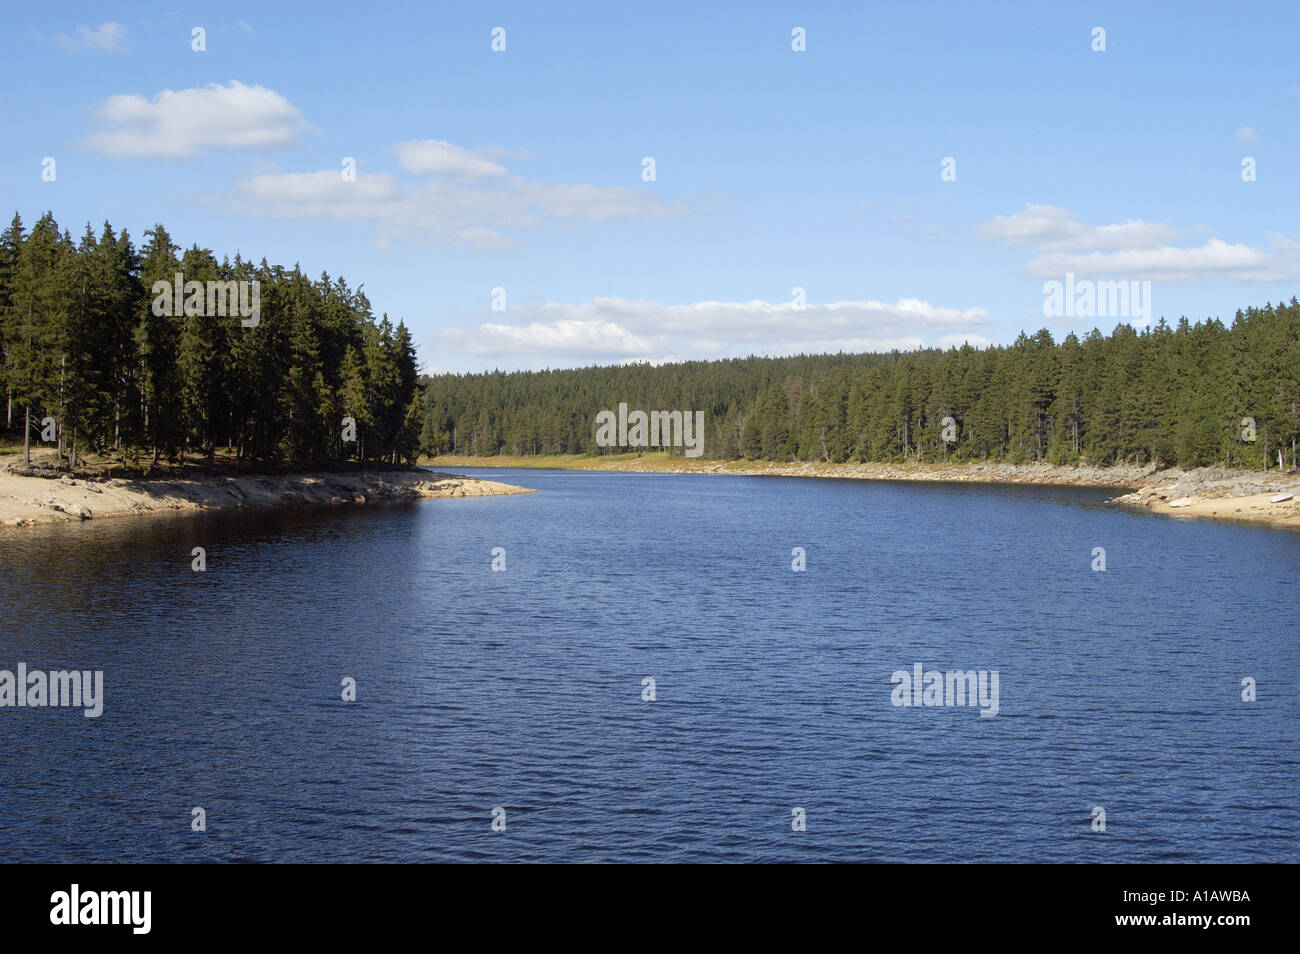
x: 522, y: 689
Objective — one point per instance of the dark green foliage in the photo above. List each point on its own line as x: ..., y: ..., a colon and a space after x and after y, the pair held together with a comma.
x: 1165, y: 395
x: 82, y: 344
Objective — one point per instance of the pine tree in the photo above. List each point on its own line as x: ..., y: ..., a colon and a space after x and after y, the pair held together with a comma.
x: 157, y: 340
x: 11, y: 243
x: 40, y: 305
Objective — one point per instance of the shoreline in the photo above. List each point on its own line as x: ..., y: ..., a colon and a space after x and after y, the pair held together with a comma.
x: 31, y: 501
x: 1215, y: 493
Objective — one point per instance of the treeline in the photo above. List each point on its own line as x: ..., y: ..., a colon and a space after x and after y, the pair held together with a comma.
x: 1169, y: 395
x: 84, y: 344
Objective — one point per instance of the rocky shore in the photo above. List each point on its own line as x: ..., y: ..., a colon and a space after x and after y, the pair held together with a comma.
x: 1271, y: 498
x: 26, y: 500
x: 991, y: 473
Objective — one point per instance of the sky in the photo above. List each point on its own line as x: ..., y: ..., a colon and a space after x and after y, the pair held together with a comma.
x: 826, y: 177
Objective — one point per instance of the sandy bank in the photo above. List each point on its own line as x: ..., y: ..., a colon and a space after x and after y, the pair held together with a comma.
x: 32, y: 500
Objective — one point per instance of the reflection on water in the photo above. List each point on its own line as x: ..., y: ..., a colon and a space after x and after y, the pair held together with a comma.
x: 523, y: 689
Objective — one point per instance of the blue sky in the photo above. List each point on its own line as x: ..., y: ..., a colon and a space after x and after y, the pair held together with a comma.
x: 775, y: 169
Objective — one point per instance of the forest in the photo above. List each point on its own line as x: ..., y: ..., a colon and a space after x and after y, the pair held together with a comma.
x: 91, y: 362
x: 1164, y: 395
x: 92, y: 365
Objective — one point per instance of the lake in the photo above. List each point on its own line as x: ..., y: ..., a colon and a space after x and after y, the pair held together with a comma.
x: 524, y: 689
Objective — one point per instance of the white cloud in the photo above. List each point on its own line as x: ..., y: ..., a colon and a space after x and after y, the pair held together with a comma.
x: 463, y: 199
x: 190, y: 122
x: 615, y: 329
x: 110, y: 37
x: 1138, y: 250
x: 434, y: 157
x: 320, y: 195
x: 1052, y: 227
x: 585, y: 338
x: 1214, y: 260
x: 1246, y: 134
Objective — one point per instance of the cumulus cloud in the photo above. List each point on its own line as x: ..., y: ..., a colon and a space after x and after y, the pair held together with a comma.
x: 1137, y: 250
x: 615, y: 329
x: 1214, y: 260
x: 1246, y: 134
x: 462, y: 198
x: 1052, y: 227
x: 323, y: 194
x: 186, y: 123
x: 110, y: 37
x: 433, y: 157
